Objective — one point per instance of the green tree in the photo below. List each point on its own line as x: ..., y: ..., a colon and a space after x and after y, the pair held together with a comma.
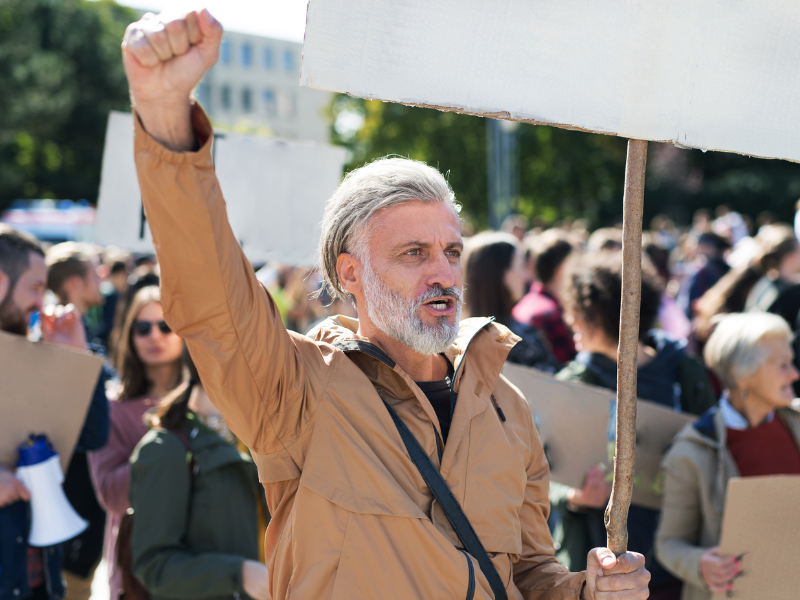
x: 60, y: 74
x: 563, y: 173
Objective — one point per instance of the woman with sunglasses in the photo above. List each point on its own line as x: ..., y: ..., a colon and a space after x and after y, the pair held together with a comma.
x: 150, y: 366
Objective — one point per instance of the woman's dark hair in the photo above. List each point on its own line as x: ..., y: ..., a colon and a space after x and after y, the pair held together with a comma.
x: 777, y: 241
x: 729, y: 294
x: 132, y: 372
x: 171, y: 411
x: 489, y: 256
x: 595, y: 292
x: 550, y: 249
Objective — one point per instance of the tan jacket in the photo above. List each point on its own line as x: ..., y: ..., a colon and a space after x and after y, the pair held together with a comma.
x: 351, y: 516
x: 697, y: 469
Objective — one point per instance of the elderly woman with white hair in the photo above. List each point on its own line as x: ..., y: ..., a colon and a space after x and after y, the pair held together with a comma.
x: 754, y: 431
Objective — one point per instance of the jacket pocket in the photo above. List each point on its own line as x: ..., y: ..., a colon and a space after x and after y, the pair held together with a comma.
x: 390, y: 557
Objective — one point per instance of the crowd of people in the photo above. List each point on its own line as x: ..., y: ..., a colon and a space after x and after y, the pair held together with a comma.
x: 265, y: 431
x: 152, y: 434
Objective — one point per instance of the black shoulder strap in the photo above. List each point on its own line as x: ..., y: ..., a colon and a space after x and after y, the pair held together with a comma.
x: 441, y: 491
x: 452, y: 509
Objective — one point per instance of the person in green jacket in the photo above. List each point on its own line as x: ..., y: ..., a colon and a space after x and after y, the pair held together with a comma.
x: 198, y: 509
x: 666, y: 375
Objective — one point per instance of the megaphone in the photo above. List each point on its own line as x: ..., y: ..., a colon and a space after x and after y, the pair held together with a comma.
x: 53, y: 518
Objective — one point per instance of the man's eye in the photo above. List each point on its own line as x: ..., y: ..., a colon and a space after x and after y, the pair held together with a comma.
x: 454, y: 253
x: 414, y: 252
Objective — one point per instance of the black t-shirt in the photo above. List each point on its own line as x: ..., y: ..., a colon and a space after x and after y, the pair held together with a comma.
x: 438, y: 394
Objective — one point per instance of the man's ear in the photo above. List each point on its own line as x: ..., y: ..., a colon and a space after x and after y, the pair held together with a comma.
x: 348, y: 268
x: 5, y: 285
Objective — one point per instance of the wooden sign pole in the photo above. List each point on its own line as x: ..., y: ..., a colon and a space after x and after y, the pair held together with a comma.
x: 616, y: 517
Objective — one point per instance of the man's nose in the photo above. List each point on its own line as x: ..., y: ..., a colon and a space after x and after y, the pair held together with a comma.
x: 441, y: 271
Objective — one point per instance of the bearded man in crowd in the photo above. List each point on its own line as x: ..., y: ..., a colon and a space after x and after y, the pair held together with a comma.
x: 326, y: 416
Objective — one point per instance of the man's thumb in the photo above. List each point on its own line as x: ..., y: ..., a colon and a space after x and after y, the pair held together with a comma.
x: 602, y: 557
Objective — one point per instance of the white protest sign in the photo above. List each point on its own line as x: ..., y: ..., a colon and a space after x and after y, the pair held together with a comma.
x: 714, y: 75
x: 275, y: 192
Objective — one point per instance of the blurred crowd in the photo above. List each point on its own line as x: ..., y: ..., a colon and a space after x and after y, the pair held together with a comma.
x: 719, y: 315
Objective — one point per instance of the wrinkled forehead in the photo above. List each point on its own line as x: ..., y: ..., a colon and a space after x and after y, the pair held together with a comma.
x: 429, y: 222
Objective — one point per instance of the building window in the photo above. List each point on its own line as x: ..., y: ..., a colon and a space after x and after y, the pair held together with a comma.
x: 247, y: 100
x: 269, y: 59
x: 226, y: 97
x: 269, y: 102
x: 288, y: 60
x: 225, y: 52
x: 247, y: 55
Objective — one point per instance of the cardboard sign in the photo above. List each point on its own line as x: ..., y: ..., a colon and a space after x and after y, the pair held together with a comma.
x: 713, y: 75
x: 45, y: 389
x: 760, y: 524
x: 577, y: 425
x: 275, y: 192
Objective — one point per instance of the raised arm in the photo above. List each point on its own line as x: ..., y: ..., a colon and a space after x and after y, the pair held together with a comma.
x: 262, y: 378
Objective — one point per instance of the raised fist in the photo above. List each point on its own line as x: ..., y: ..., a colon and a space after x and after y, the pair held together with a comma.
x: 165, y: 57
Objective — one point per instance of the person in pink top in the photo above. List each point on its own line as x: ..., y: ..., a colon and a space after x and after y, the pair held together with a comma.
x: 150, y: 365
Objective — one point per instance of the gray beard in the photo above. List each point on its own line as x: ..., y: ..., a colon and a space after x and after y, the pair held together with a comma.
x: 398, y: 317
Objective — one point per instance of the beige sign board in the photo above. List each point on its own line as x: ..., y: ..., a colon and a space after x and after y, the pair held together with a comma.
x: 714, y: 75
x: 761, y: 524
x: 43, y: 389
x: 275, y: 192
x: 573, y: 421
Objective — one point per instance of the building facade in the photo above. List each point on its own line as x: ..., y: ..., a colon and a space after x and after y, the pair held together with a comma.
x: 254, y: 87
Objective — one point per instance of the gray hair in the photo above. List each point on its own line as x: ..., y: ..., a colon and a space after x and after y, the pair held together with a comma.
x: 380, y: 184
x: 735, y: 350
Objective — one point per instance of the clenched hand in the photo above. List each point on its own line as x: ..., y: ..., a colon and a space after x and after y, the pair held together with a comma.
x: 615, y: 578
x: 165, y: 57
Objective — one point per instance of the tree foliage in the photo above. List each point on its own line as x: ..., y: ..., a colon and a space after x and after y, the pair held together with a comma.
x: 60, y: 74
x: 563, y: 174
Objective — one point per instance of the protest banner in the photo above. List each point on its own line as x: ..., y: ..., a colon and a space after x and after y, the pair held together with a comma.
x: 54, y: 404
x: 760, y: 524
x: 714, y: 76
x: 274, y: 199
x: 576, y: 423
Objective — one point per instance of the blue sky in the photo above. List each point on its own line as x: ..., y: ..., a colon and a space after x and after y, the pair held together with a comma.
x: 282, y: 19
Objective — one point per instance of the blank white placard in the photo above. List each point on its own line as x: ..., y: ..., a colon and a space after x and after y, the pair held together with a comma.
x: 275, y: 192
x: 715, y: 75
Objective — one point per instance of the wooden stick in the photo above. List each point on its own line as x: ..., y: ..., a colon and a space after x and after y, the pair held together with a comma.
x: 616, y: 517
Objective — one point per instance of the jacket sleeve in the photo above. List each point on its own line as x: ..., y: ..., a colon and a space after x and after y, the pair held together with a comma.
x: 160, y: 496
x: 110, y: 470
x: 265, y: 381
x: 94, y: 434
x: 537, y: 574
x: 681, y: 520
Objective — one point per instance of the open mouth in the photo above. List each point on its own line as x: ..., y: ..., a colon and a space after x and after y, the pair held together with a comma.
x: 441, y: 306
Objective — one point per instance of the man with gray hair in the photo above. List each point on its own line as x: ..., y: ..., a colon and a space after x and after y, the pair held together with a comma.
x: 397, y: 461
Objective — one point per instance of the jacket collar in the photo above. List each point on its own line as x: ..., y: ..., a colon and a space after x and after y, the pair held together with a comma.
x: 487, y: 343
x: 493, y: 349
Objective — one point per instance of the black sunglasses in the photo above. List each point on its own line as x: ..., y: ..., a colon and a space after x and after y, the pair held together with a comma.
x: 143, y: 328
